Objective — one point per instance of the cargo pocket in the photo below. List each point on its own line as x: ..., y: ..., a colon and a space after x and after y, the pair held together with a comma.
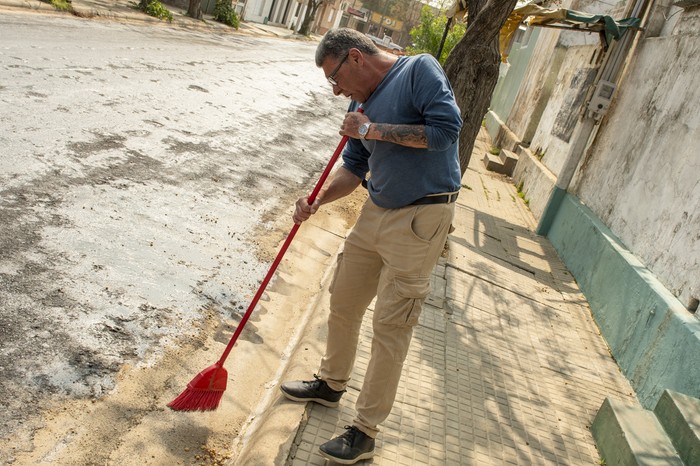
x: 338, y: 262
x: 404, y: 302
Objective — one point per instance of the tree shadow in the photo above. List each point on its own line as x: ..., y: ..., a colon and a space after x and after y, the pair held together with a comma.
x: 524, y: 368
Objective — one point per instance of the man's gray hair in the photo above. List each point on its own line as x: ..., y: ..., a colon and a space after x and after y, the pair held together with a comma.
x: 336, y: 42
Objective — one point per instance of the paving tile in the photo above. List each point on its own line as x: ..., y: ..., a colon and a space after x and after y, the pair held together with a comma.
x: 432, y: 317
x: 506, y: 366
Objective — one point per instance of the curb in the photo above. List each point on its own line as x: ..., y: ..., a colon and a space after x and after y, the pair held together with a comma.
x: 272, y: 431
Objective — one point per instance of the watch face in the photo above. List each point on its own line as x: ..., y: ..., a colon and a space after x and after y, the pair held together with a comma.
x: 364, y: 128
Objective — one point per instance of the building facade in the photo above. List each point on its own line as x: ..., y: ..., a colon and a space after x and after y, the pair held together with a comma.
x: 607, y: 141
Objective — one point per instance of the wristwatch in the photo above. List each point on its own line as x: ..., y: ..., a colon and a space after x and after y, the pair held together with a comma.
x: 364, y: 129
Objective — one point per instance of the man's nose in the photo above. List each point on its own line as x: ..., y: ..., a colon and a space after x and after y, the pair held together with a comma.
x: 337, y: 90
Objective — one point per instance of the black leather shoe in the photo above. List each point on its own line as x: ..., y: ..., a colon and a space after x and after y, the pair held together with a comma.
x: 315, y: 390
x: 350, y: 447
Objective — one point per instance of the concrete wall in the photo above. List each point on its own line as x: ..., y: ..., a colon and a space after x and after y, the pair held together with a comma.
x: 538, y: 82
x: 561, y: 115
x: 506, y: 91
x: 641, y: 175
x: 655, y: 341
x: 534, y: 180
x: 629, y: 229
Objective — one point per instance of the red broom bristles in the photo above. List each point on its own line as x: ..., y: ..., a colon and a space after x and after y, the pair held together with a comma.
x: 197, y: 400
x: 204, y: 392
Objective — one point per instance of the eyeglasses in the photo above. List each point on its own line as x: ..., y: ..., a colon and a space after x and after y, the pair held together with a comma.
x: 331, y: 77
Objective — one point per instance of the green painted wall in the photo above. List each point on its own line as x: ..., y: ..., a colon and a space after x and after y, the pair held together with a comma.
x: 654, y: 339
x: 507, y: 88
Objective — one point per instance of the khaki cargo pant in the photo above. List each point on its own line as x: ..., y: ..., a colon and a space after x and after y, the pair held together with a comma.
x: 390, y: 254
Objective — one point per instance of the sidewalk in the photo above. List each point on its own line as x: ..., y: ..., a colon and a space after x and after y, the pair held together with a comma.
x: 506, y: 366
x: 123, y: 10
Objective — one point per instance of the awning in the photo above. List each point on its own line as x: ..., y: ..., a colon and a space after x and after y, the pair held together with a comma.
x: 577, y: 21
x: 561, y: 18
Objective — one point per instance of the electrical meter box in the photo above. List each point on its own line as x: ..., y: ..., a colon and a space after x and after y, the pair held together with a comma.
x: 601, y: 99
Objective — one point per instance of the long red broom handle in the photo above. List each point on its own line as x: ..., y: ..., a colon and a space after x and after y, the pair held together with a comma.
x: 280, y: 254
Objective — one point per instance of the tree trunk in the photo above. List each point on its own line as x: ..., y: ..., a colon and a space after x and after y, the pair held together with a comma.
x: 309, y: 17
x: 195, y: 9
x: 472, y: 68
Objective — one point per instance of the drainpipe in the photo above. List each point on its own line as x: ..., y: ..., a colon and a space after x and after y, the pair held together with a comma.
x: 593, y: 111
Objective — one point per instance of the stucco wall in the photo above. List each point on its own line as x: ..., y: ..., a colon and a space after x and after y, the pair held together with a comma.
x: 653, y: 338
x: 506, y: 91
x: 543, y: 70
x: 641, y: 174
x: 555, y: 84
x: 629, y: 228
x: 536, y: 86
x: 553, y: 135
x: 535, y: 181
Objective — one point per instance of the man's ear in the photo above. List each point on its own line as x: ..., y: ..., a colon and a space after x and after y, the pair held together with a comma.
x: 356, y: 56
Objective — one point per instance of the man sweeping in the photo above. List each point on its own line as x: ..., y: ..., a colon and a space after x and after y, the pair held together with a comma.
x: 406, y: 139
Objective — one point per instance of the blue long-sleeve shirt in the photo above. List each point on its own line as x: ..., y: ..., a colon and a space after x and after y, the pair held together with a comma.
x: 415, y: 91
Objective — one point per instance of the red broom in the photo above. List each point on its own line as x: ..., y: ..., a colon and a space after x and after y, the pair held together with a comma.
x: 204, y: 392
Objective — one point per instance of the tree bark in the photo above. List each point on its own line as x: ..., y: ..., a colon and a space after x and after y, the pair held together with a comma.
x: 194, y: 9
x: 472, y: 68
x: 309, y: 17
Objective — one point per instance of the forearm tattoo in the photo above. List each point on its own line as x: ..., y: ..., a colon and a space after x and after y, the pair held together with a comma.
x: 405, y: 135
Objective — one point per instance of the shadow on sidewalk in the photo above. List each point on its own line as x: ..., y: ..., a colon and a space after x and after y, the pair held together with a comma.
x: 506, y: 365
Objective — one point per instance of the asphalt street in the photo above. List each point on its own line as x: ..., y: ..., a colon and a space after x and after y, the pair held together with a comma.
x: 146, y: 179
